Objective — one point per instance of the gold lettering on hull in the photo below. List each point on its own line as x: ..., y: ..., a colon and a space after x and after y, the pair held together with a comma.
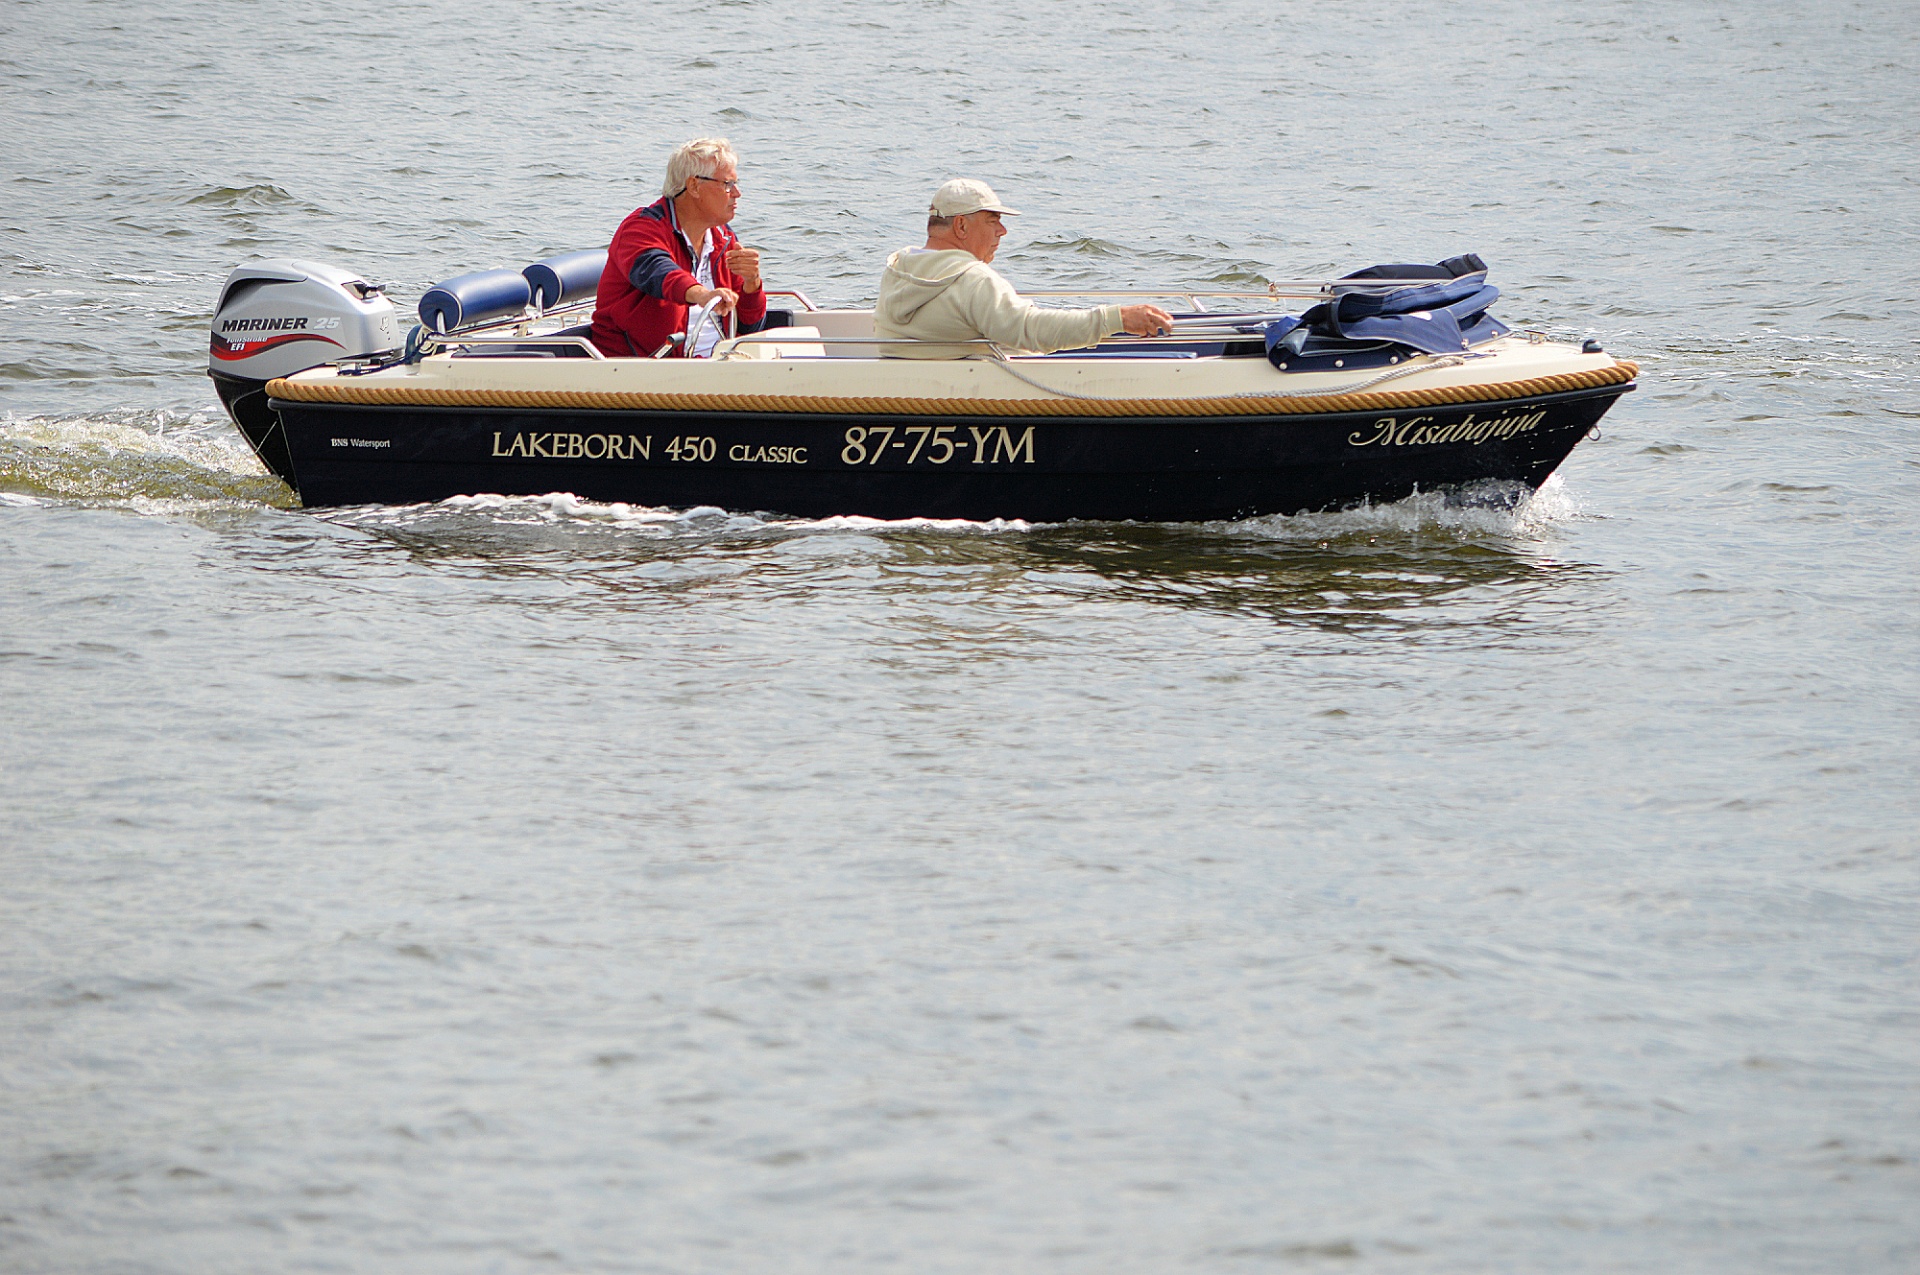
x: 980, y: 437
x: 935, y: 444
x: 1007, y: 450
x: 576, y: 446
x: 865, y: 445
x: 748, y: 454
x: 996, y: 443
x: 1419, y: 431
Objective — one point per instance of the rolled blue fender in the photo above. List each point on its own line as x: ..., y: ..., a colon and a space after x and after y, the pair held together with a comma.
x: 570, y: 276
x: 485, y: 296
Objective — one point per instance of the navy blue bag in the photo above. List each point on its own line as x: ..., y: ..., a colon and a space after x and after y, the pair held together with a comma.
x: 1443, y: 317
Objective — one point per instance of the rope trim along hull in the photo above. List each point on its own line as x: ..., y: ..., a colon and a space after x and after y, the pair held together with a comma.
x: 364, y: 395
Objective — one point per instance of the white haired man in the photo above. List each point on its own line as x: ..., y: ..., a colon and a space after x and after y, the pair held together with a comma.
x: 948, y: 291
x: 678, y: 255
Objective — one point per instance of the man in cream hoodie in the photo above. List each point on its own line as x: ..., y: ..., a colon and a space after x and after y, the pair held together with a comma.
x: 946, y: 291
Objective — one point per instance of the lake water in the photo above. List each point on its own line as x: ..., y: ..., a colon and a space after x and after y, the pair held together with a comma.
x: 538, y: 886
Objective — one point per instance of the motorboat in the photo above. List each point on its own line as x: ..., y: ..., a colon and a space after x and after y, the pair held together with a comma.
x: 1310, y: 395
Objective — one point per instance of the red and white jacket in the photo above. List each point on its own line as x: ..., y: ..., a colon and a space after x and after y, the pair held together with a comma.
x: 643, y: 291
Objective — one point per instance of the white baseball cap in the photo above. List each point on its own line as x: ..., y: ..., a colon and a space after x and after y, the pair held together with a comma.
x: 963, y: 195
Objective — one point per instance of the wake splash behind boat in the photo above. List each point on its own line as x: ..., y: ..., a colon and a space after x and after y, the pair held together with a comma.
x: 1397, y: 380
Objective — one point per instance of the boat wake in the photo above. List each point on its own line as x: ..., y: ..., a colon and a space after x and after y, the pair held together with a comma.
x: 559, y: 509
x: 1496, y: 510
x: 147, y: 460
x: 1492, y: 510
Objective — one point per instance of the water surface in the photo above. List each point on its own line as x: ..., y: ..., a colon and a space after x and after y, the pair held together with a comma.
x: 536, y: 885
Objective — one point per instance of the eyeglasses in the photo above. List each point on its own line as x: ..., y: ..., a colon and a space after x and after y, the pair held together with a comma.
x: 733, y: 187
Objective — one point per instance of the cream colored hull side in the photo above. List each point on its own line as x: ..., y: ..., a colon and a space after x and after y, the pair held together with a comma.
x: 1504, y: 360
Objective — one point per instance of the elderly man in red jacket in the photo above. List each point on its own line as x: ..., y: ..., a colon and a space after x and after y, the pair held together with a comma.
x: 677, y: 256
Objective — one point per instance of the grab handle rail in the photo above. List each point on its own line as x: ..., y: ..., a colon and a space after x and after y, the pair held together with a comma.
x: 773, y: 335
x: 435, y: 340
x: 806, y: 302
x: 1315, y: 289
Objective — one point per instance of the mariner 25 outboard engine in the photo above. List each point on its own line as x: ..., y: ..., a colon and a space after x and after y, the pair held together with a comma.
x: 279, y: 317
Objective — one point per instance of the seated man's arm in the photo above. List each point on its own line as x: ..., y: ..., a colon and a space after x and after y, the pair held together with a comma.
x: 1008, y: 320
x: 658, y: 275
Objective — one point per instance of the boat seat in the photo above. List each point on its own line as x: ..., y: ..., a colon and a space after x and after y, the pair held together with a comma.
x: 793, y: 344
x: 574, y: 351
x: 533, y: 349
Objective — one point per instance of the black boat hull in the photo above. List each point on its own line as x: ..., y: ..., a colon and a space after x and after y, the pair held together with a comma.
x: 904, y: 466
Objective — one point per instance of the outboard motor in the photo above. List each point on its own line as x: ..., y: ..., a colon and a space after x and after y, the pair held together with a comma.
x: 276, y: 318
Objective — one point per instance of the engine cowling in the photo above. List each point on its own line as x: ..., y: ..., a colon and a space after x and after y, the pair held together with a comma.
x: 279, y: 317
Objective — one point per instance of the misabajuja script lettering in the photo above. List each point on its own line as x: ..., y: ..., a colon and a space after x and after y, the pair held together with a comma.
x: 1391, y: 431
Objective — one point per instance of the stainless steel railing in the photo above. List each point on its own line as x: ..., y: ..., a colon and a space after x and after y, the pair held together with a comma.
x: 1205, y: 325
x: 1311, y: 289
